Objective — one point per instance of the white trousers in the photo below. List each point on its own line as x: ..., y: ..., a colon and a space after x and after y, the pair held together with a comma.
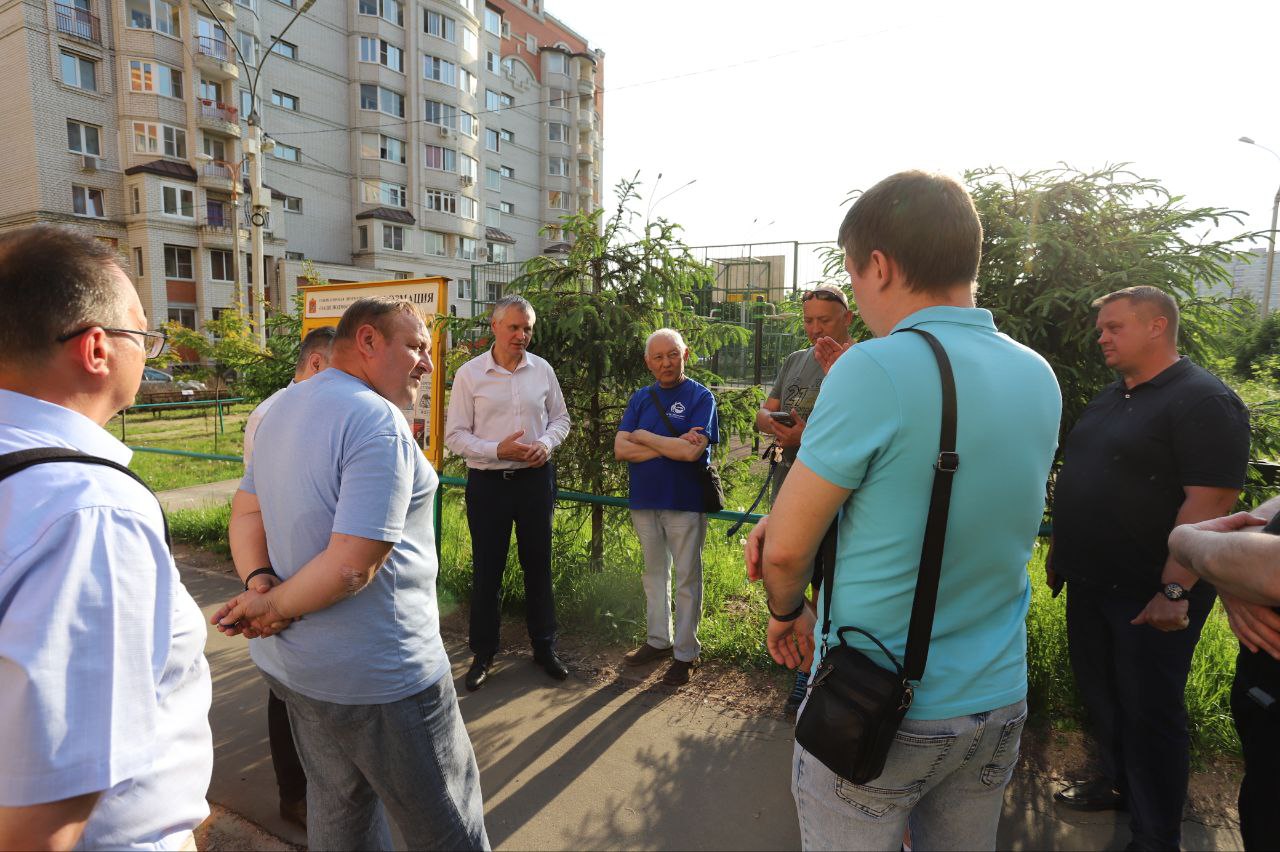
x: 666, y: 538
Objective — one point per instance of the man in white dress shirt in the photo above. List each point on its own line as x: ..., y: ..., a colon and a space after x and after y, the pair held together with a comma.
x: 104, y: 689
x: 506, y: 417
x: 313, y: 356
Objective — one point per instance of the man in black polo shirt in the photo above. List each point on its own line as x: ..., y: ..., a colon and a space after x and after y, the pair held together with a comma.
x: 1168, y: 444
x: 1245, y: 568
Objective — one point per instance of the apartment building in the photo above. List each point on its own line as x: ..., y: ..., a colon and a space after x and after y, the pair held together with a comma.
x: 411, y: 137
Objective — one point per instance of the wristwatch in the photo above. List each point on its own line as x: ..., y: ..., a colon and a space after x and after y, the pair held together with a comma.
x: 1174, y: 591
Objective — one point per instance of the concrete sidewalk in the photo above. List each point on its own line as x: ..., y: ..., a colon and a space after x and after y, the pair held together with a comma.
x: 574, y: 765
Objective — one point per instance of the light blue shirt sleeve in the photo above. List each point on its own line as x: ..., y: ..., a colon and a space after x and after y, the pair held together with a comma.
x: 376, y: 487
x: 855, y: 418
x: 78, y: 700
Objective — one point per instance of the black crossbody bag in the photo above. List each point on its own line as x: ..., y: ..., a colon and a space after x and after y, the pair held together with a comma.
x: 856, y: 706
x: 708, y: 476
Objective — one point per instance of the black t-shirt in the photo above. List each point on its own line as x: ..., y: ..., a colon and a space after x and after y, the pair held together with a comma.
x: 1260, y: 668
x: 1124, y: 468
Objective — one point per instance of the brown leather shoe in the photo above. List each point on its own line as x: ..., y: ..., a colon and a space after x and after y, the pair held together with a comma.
x: 678, y: 672
x: 646, y: 653
x: 1094, y: 795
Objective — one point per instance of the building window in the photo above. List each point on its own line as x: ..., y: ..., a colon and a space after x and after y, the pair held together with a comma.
x: 378, y: 146
x: 507, y: 172
x: 507, y: 208
x: 154, y: 77
x: 183, y: 316
x: 434, y: 112
x: 467, y: 81
x: 177, y: 263
x: 557, y: 63
x: 467, y: 166
x: 557, y: 166
x: 492, y: 216
x: 388, y: 10
x: 178, y: 201
x: 292, y: 204
x: 246, y: 103
x: 492, y: 62
x: 215, y: 148
x: 467, y: 249
x: 531, y: 43
x: 499, y: 253
x: 467, y: 207
x: 381, y: 100
x: 220, y: 265
x: 248, y: 46
x: 210, y: 91
x: 464, y: 288
x: 440, y: 26
x: 83, y: 138
x: 294, y: 255
x: 158, y: 15
x: 384, y: 192
x: 559, y: 98
x: 505, y: 100
x: 362, y: 237
x: 440, y: 70
x: 381, y: 52
x: 441, y: 201
x: 251, y: 5
x: 137, y: 261
x: 490, y: 139
x: 87, y: 202
x: 437, y: 157
x: 435, y: 244
x: 555, y: 199
x: 290, y: 153
x: 467, y: 124
x: 557, y: 132
x: 470, y: 41
x: 159, y: 139
x: 284, y: 100
x: 79, y: 72
x: 492, y: 179
x: 137, y: 201
x: 393, y: 237
x: 492, y: 21
x: 491, y: 100
x: 506, y: 136
x: 287, y: 49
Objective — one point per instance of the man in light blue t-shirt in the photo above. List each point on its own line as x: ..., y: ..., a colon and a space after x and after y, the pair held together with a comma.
x: 332, y: 532
x: 665, y: 437
x: 912, y: 245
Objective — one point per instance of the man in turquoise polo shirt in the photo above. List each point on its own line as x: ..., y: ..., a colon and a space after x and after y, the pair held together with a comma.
x: 912, y: 246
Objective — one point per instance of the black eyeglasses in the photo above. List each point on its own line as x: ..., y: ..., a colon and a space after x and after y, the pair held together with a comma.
x: 825, y: 295
x: 152, y: 342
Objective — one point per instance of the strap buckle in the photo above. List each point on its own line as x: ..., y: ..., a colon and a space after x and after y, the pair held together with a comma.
x: 948, y: 462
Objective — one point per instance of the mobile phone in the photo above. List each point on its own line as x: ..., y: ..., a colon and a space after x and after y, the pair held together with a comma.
x: 783, y: 417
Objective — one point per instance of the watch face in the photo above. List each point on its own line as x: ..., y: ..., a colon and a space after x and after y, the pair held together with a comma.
x: 1174, y: 592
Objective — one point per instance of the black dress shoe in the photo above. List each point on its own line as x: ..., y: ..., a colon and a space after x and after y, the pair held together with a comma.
x: 478, y: 673
x: 1095, y: 795
x: 551, y: 663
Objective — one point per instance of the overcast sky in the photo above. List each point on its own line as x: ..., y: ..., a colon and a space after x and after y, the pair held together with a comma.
x: 778, y: 109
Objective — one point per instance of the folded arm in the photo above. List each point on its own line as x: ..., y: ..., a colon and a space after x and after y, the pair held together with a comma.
x: 627, y: 450
x: 687, y: 448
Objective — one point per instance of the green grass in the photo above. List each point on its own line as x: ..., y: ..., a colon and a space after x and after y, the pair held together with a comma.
x: 609, y: 604
x: 193, y: 430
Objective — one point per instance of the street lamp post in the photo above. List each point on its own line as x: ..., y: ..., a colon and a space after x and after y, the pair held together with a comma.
x: 254, y: 149
x: 234, y: 171
x: 1271, y: 236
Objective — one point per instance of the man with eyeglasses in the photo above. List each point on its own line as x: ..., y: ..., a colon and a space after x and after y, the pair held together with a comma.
x: 104, y: 689
x: 790, y: 402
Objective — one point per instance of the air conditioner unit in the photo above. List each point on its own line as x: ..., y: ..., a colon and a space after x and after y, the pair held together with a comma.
x: 89, y: 163
x: 467, y: 180
x: 444, y: 131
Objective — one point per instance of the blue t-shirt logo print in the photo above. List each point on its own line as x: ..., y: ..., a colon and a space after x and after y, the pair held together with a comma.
x: 677, y: 409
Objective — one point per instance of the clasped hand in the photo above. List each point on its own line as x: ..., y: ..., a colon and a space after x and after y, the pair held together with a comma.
x: 252, y: 614
x: 511, y: 448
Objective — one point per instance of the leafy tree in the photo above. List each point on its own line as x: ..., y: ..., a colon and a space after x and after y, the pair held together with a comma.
x: 1258, y: 349
x: 595, y: 308
x: 229, y: 345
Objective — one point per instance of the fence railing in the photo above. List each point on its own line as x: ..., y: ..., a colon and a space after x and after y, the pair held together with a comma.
x: 212, y: 47
x: 221, y: 112
x: 77, y: 22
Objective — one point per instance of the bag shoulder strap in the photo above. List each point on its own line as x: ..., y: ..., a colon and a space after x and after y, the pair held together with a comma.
x: 935, y: 531
x: 657, y: 404
x: 11, y: 463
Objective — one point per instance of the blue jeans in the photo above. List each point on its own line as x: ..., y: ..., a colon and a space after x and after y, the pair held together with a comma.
x: 946, y: 777
x: 411, y: 757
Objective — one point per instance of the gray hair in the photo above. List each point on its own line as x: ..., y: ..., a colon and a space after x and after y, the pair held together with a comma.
x: 502, y: 305
x: 53, y: 281
x: 675, y: 336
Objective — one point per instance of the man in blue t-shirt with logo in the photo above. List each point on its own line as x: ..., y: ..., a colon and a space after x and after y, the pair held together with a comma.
x: 665, y: 437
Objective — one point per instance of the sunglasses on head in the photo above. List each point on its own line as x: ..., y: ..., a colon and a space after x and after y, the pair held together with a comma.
x: 826, y: 296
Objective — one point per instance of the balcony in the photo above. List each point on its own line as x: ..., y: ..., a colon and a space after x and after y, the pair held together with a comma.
x: 218, y: 117
x: 77, y: 22
x: 224, y: 9
x: 587, y: 85
x: 585, y: 152
x: 215, y: 59
x: 215, y: 177
x: 216, y: 224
